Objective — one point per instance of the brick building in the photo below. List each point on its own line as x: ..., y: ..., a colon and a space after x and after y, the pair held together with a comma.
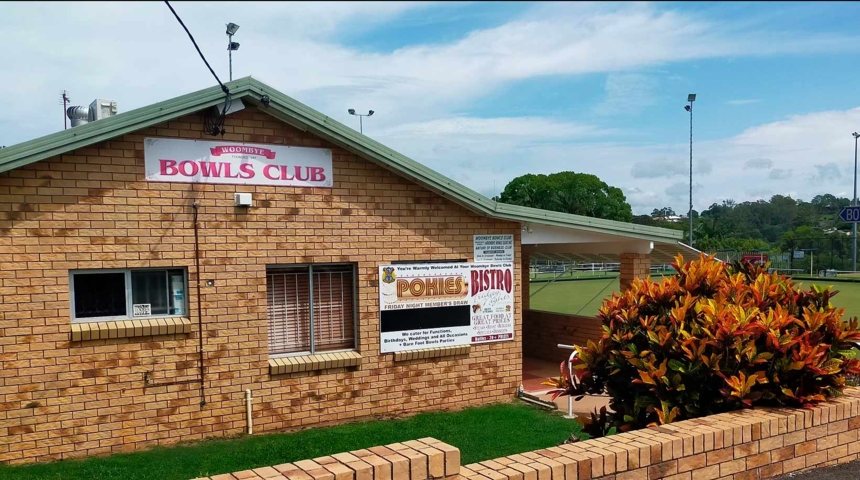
x: 137, y: 310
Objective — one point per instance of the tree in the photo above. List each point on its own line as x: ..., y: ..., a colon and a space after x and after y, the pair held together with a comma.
x: 663, y: 213
x: 568, y: 192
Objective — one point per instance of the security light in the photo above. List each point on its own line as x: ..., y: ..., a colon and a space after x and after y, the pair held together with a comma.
x: 351, y: 111
x: 687, y: 108
x: 233, y: 46
x: 231, y: 28
x: 370, y: 113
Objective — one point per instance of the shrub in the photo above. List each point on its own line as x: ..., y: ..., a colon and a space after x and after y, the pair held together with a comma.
x: 713, y: 338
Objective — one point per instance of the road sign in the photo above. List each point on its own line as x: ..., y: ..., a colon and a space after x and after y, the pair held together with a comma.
x: 850, y: 214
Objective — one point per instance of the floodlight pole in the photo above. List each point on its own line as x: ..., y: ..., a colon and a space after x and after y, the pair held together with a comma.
x: 231, y: 30
x: 360, y: 116
x: 854, y: 202
x: 691, y: 98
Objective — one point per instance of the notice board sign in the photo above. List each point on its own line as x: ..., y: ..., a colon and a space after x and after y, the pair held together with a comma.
x: 494, y: 248
x: 442, y: 305
x: 199, y: 161
x: 423, y: 306
x: 492, y: 301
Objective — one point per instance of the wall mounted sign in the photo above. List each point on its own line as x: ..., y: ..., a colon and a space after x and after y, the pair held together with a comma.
x: 423, y: 306
x: 199, y: 161
x: 492, y: 291
x: 445, y: 304
x: 494, y: 248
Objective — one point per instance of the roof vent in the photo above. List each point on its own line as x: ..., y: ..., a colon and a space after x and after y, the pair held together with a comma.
x: 100, y: 109
x: 97, y: 110
x: 78, y: 115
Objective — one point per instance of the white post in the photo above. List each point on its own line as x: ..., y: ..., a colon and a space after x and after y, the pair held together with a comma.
x: 248, y: 417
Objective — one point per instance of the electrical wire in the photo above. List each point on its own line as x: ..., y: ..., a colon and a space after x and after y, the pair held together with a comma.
x: 223, y: 87
x: 216, y: 126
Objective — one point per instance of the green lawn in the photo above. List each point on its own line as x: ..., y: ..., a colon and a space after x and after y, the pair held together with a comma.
x: 480, y: 433
x: 584, y: 297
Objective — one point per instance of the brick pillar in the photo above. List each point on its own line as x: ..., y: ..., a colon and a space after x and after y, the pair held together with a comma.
x: 634, y: 265
x: 525, y: 260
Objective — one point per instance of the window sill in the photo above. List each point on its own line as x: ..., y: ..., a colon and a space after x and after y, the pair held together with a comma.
x: 424, y: 353
x: 319, y: 361
x: 82, y: 332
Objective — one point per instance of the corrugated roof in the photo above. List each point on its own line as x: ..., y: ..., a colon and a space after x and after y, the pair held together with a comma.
x: 305, y: 118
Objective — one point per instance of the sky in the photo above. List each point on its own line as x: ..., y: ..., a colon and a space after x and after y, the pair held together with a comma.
x: 484, y: 92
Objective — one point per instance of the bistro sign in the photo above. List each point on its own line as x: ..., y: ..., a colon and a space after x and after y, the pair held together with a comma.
x: 198, y: 161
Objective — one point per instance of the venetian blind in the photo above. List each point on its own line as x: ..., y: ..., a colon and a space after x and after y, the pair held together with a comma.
x: 288, y: 292
x: 289, y: 305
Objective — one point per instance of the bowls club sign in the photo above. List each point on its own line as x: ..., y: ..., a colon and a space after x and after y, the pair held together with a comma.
x: 198, y: 161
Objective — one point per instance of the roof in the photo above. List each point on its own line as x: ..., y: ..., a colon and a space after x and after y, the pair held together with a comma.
x: 305, y: 118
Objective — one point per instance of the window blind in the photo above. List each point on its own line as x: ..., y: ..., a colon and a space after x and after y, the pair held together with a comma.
x: 289, y: 305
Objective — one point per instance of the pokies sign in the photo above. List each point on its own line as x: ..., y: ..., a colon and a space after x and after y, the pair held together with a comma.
x: 445, y: 304
x: 198, y: 161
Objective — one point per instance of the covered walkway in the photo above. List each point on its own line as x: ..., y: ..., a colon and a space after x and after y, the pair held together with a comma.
x: 543, y: 331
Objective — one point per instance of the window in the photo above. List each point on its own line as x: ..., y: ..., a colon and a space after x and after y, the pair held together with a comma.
x: 311, y: 308
x: 128, y: 294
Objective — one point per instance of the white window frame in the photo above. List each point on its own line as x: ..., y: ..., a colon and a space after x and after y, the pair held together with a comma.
x: 128, y: 294
x: 355, y: 308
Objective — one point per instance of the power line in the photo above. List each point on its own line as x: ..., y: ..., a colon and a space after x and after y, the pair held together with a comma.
x: 212, y: 126
x: 223, y: 87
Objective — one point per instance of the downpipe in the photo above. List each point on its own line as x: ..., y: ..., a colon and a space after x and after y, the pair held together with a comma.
x: 249, y: 419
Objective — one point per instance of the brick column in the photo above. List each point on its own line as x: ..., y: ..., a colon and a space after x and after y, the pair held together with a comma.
x: 634, y: 265
x: 525, y: 260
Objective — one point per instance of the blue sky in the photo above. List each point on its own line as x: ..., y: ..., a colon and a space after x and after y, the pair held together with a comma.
x: 483, y: 92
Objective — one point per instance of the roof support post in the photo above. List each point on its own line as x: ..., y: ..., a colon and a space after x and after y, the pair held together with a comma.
x: 634, y: 265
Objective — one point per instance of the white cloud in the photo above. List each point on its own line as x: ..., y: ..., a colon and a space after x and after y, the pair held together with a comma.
x: 627, y: 93
x: 743, y: 101
x: 779, y: 174
x: 759, y: 163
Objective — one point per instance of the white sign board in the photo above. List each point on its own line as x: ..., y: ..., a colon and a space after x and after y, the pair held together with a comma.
x: 442, y: 305
x: 492, y: 299
x: 141, y: 310
x: 199, y: 161
x: 494, y: 248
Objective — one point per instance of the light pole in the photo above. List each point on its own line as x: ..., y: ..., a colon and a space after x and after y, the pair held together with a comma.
x: 689, y: 107
x: 231, y: 45
x: 360, y: 118
x: 854, y: 202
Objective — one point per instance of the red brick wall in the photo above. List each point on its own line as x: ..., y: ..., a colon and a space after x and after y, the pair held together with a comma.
x: 92, y: 209
x: 543, y: 331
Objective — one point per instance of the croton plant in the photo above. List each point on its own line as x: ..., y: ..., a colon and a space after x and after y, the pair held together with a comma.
x: 714, y: 337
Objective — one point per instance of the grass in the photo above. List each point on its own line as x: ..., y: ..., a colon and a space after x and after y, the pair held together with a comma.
x: 480, y: 433
x: 584, y: 297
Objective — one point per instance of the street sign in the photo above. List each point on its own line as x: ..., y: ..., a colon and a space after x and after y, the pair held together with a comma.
x: 850, y: 214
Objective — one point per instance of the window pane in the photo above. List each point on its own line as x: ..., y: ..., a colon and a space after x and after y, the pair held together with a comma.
x: 150, y: 287
x: 288, y: 310
x: 334, y: 312
x: 177, y: 292
x: 99, y: 294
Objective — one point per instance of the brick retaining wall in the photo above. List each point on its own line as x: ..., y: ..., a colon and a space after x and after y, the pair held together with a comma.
x: 741, y: 445
x: 413, y: 460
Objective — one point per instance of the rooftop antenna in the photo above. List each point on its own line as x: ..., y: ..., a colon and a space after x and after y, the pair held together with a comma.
x: 66, y: 100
